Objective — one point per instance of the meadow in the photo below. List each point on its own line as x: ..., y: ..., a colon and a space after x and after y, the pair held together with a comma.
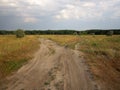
x: 103, y: 57
x: 14, y: 52
x: 102, y: 54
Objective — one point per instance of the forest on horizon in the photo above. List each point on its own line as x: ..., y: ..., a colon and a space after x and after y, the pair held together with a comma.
x: 63, y: 32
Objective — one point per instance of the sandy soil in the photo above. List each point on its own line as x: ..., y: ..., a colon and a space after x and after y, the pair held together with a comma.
x: 54, y: 67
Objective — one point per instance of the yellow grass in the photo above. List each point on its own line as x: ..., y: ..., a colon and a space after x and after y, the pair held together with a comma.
x: 68, y: 40
x: 14, y: 52
x: 102, y: 54
x: 108, y: 46
x: 103, y: 57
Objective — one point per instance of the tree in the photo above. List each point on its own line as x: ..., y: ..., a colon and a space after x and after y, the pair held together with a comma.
x: 20, y: 33
x: 110, y: 33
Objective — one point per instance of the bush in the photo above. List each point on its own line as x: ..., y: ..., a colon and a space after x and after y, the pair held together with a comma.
x: 20, y: 33
x: 110, y: 33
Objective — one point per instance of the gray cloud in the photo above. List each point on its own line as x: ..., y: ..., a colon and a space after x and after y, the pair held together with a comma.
x: 59, y: 14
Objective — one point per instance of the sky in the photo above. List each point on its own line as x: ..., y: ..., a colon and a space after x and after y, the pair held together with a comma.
x: 59, y: 14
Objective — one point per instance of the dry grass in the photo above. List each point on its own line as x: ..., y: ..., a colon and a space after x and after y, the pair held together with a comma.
x: 66, y: 40
x: 101, y: 52
x: 102, y: 55
x: 14, y: 52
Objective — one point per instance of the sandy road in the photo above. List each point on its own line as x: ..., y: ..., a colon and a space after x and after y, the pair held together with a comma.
x: 53, y: 68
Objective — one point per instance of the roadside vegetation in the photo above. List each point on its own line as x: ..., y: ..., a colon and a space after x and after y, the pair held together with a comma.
x: 102, y: 55
x: 14, y: 52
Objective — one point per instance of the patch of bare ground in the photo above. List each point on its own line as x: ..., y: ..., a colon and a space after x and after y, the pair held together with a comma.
x: 105, y: 73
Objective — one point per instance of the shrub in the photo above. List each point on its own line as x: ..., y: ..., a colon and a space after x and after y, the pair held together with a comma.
x: 92, y: 33
x: 20, y: 33
x: 110, y: 33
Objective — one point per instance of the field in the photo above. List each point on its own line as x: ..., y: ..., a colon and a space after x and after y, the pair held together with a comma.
x: 14, y: 52
x: 101, y: 53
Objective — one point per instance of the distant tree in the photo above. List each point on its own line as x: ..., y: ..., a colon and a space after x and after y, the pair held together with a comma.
x: 3, y: 32
x: 110, y: 33
x: 75, y: 33
x: 79, y: 33
x: 92, y: 33
x: 83, y: 32
x: 20, y: 33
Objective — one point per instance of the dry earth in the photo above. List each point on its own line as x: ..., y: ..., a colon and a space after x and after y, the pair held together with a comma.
x: 54, y: 67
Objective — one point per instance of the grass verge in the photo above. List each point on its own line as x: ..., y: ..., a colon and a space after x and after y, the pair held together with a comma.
x: 14, y: 52
x: 102, y: 54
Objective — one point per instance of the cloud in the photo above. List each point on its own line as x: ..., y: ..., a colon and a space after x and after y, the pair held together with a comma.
x: 89, y: 10
x: 116, y: 15
x: 34, y: 11
x: 30, y: 20
x: 60, y: 9
x: 79, y: 11
x: 89, y: 4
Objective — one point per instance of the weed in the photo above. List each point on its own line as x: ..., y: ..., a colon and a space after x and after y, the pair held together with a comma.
x: 94, y: 44
x: 52, y: 50
x: 12, y: 65
x: 46, y: 83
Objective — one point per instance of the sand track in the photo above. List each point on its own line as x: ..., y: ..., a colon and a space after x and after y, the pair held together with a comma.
x: 53, y: 68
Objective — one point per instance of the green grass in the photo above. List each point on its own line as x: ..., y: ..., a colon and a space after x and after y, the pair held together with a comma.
x: 101, y: 45
x: 12, y: 65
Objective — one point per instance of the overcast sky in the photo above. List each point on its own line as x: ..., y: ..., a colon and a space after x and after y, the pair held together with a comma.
x: 59, y: 14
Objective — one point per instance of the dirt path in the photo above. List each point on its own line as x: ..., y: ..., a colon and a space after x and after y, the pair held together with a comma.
x: 53, y: 68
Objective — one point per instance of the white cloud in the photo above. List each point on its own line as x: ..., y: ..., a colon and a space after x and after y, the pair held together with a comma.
x: 42, y: 3
x: 77, y: 12
x: 30, y: 20
x: 61, y: 9
x: 50, y: 11
x: 89, y: 10
x: 8, y: 3
x: 116, y: 14
x: 89, y: 4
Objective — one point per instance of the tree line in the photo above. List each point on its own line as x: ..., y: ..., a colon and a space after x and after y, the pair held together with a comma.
x: 64, y: 32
